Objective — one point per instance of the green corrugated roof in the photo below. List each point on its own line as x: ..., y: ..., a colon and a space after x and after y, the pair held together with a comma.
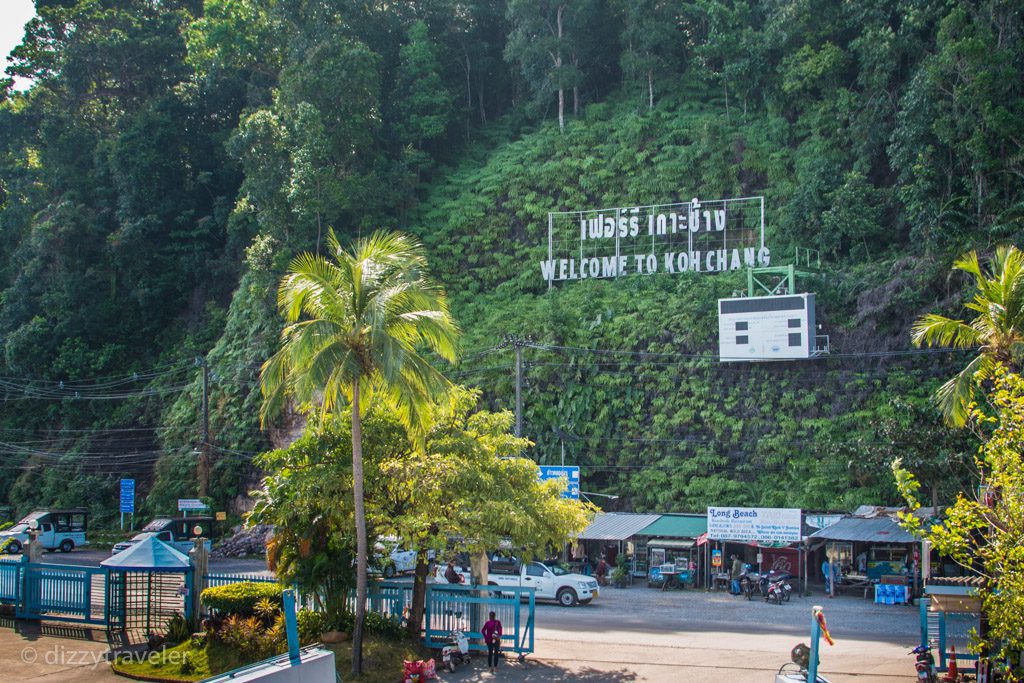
x: 677, y: 526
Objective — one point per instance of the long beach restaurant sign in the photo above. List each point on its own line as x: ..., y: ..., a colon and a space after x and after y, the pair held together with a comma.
x: 695, y: 236
x: 768, y: 525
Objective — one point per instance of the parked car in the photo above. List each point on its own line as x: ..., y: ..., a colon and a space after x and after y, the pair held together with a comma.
x: 391, y: 558
x: 550, y: 583
x: 62, y: 530
x: 501, y: 562
x: 179, y: 532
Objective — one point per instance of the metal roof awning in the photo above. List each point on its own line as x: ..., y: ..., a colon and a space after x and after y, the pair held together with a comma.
x: 617, y: 526
x: 866, y: 530
x: 677, y: 526
x: 670, y: 543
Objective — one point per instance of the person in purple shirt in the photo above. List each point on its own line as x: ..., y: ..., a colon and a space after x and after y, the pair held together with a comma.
x: 492, y: 636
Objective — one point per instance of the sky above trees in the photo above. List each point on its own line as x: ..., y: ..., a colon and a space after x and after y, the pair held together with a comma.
x: 13, y: 16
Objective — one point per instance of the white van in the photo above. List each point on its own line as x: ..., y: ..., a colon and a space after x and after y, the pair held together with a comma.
x: 62, y: 530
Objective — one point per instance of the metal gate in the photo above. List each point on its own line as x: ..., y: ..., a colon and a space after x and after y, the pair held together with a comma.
x: 63, y: 593
x: 465, y: 608
x: 940, y: 630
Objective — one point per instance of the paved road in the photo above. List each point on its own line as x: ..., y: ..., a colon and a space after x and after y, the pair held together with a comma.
x: 640, y: 634
x: 92, y: 558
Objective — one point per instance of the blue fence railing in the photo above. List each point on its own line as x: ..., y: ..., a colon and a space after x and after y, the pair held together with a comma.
x: 10, y: 582
x: 219, y: 579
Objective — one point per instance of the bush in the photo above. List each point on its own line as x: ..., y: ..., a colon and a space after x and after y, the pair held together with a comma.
x: 389, y: 628
x: 188, y: 664
x: 241, y: 598
x: 311, y: 625
x: 178, y: 629
x: 248, y: 636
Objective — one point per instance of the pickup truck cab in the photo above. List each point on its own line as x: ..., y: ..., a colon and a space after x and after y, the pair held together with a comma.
x: 178, y: 532
x: 62, y: 530
x: 550, y: 583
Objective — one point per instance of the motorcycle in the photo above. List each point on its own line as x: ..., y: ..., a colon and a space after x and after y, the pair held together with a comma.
x: 752, y: 584
x: 924, y: 664
x: 778, y: 589
x: 455, y: 651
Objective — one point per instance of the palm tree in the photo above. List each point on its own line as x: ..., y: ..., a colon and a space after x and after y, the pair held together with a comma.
x: 997, y: 330
x: 355, y: 320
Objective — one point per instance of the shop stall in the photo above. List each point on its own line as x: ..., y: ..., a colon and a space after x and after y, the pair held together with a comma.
x: 669, y: 547
x: 870, y: 551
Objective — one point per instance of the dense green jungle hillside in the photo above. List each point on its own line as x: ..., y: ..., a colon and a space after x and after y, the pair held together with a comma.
x: 170, y: 158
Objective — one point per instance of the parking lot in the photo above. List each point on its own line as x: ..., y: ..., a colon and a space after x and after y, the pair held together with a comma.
x: 642, y: 634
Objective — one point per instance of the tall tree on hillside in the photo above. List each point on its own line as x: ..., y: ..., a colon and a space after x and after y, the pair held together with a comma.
x: 540, y: 44
x: 997, y: 330
x: 648, y: 38
x: 355, y: 321
x: 424, y: 105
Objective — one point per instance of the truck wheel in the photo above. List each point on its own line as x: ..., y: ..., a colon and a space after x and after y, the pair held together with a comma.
x: 14, y: 548
x: 567, y: 597
x: 496, y: 594
x: 389, y: 571
x: 67, y: 545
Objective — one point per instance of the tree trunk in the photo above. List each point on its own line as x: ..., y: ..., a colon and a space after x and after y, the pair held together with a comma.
x: 478, y: 570
x: 419, y: 595
x: 650, y: 88
x: 361, y: 549
x: 561, y: 109
x: 558, y: 70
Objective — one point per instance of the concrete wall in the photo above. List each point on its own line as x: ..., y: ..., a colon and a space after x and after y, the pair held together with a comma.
x: 317, y: 666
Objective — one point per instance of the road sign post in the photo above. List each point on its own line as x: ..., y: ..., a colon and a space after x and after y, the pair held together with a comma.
x: 127, y: 500
x: 571, y: 474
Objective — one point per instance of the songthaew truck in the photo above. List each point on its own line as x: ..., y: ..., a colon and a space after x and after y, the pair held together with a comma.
x: 178, y: 532
x: 62, y: 530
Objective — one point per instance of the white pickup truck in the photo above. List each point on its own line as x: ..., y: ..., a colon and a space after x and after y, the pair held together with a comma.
x: 551, y: 583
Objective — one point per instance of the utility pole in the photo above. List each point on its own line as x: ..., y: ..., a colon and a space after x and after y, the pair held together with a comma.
x: 204, y: 447
x: 519, y: 388
x: 517, y: 343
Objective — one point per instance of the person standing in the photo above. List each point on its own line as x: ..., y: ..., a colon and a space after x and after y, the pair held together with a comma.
x: 601, y: 572
x: 735, y: 574
x: 826, y: 572
x: 492, y: 636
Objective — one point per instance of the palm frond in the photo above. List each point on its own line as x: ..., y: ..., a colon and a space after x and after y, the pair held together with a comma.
x: 938, y: 330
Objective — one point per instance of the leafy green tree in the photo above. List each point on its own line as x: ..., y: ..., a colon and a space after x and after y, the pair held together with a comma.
x: 307, y: 497
x: 539, y: 42
x: 996, y: 331
x: 984, y: 531
x: 649, y: 40
x: 354, y: 323
x: 424, y: 104
x: 469, y: 490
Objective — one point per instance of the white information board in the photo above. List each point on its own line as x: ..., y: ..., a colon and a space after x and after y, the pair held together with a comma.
x: 766, y: 328
x: 768, y: 525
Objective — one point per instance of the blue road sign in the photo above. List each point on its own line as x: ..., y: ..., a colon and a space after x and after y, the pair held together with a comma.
x: 128, y: 495
x: 571, y: 473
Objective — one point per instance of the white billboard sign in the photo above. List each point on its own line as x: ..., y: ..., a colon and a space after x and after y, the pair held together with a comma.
x: 767, y: 525
x: 766, y: 327
x: 709, y: 236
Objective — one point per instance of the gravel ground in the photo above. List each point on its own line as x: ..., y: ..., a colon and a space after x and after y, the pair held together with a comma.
x: 640, y: 608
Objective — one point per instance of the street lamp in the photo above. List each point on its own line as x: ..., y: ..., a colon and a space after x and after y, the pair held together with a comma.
x: 600, y: 495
